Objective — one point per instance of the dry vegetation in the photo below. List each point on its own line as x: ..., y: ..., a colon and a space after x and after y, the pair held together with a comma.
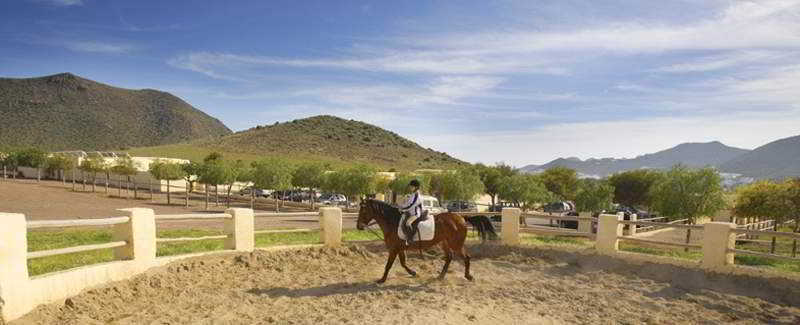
x: 66, y: 112
x: 321, y: 138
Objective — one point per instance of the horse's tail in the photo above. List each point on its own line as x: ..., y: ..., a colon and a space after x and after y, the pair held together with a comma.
x: 484, y: 226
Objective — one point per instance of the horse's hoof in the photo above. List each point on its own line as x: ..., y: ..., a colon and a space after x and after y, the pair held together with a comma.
x: 380, y: 281
x: 413, y: 274
x: 469, y: 277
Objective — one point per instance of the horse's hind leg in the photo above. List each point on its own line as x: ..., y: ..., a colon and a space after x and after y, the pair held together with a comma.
x: 448, y: 257
x: 463, y: 253
x: 403, y: 263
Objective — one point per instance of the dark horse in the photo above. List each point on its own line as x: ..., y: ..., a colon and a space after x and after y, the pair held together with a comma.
x: 450, y: 234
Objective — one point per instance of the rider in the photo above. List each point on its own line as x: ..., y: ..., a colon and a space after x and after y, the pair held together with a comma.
x: 412, y: 209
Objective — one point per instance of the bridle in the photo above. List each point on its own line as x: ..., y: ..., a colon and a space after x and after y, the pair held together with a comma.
x: 368, y: 226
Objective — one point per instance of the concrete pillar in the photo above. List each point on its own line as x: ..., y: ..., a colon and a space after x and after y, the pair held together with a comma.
x: 608, y: 231
x: 585, y: 225
x: 630, y: 230
x: 510, y: 221
x: 140, y: 233
x: 13, y: 266
x: 718, y: 238
x: 330, y: 221
x: 240, y: 229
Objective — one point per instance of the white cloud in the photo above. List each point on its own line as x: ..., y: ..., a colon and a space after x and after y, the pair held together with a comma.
x: 63, y: 3
x: 742, y: 25
x: 97, y: 46
x: 614, y: 138
x: 718, y: 62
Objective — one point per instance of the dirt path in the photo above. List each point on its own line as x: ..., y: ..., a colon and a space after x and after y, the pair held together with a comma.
x: 513, y: 285
x: 54, y: 200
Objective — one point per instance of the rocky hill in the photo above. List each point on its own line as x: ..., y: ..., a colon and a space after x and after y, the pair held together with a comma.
x: 67, y: 112
x: 777, y: 159
x: 320, y: 138
x: 691, y: 154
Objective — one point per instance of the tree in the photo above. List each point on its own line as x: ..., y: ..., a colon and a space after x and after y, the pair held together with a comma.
x: 525, y: 191
x: 33, y: 158
x: 791, y: 195
x: 493, y: 178
x: 274, y: 174
x: 561, y: 181
x: 165, y: 170
x: 235, y: 172
x: 358, y: 181
x: 632, y: 188
x: 190, y: 171
x: 92, y: 165
x: 58, y: 163
x: 689, y: 193
x: 311, y: 176
x: 399, y: 185
x: 594, y: 196
x: 463, y: 184
x: 125, y: 167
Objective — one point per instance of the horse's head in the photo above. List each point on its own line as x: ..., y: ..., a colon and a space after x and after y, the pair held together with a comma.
x: 365, y: 214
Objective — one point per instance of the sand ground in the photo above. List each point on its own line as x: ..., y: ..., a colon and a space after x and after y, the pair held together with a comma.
x: 523, y: 285
x: 48, y: 200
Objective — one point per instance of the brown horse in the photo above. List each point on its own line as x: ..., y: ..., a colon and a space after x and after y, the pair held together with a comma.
x: 450, y: 234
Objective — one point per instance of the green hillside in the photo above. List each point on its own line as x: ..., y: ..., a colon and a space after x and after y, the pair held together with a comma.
x: 322, y: 138
x: 67, y: 112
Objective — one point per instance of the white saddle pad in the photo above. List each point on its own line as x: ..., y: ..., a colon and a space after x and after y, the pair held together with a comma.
x: 426, y: 229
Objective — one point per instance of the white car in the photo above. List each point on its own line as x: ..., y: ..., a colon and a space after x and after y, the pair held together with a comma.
x: 431, y: 204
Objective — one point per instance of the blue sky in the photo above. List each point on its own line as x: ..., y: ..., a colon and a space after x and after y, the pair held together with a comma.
x: 515, y: 81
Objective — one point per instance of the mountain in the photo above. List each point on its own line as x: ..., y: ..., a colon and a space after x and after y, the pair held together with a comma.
x: 691, y: 154
x: 777, y: 159
x: 320, y: 138
x: 67, y: 112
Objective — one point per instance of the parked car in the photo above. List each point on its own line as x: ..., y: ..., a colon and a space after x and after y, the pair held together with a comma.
x: 259, y: 192
x: 462, y: 206
x: 431, y: 204
x: 332, y: 199
x: 640, y: 214
x: 499, y: 208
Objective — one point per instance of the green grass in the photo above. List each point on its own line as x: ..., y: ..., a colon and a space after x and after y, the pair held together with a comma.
x: 44, y: 240
x: 675, y: 253
x: 555, y: 241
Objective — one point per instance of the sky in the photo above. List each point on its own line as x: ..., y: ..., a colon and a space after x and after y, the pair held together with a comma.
x: 522, y: 82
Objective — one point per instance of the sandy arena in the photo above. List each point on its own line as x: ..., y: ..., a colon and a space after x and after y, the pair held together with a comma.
x: 513, y: 285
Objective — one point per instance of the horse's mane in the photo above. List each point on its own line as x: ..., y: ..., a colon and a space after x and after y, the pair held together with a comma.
x: 389, y: 212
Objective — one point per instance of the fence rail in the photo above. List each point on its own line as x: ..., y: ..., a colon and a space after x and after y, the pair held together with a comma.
x: 190, y: 216
x: 75, y: 249
x: 77, y: 222
x: 182, y: 239
x: 658, y: 242
x: 660, y: 225
x: 768, y: 233
x: 760, y: 254
x: 279, y: 231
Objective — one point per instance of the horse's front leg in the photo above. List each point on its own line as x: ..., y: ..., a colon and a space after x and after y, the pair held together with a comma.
x: 403, y: 263
x: 389, y: 262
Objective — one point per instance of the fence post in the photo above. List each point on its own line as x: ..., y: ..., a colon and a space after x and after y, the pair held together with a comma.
x: 630, y: 230
x: 718, y: 240
x: 510, y: 230
x: 240, y: 229
x: 330, y: 222
x: 140, y: 233
x: 585, y: 225
x: 13, y: 265
x: 608, y: 231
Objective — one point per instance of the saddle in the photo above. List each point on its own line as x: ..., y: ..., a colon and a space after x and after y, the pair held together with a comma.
x: 414, y: 229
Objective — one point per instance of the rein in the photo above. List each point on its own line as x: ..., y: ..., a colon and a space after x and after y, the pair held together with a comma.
x: 375, y: 233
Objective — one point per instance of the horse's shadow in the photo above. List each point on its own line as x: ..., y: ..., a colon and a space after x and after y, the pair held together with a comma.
x: 338, y: 289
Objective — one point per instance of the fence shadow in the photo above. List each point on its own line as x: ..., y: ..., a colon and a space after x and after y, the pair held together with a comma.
x: 337, y: 289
